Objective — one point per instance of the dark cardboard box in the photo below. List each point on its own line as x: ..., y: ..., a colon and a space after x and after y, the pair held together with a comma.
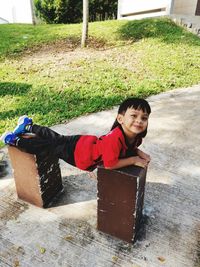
x: 120, y: 201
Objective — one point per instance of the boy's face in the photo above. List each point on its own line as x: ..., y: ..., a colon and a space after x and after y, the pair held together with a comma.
x: 133, y: 121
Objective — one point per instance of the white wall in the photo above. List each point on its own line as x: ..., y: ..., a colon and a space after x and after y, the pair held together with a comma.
x: 16, y: 11
x: 126, y: 7
x: 3, y: 21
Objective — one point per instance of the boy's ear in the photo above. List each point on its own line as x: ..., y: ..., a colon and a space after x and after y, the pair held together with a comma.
x: 120, y: 118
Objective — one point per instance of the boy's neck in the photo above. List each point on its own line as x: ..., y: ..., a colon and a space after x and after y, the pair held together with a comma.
x: 131, y: 140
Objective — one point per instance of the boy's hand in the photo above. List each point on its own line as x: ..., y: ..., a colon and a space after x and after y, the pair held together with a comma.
x: 138, y: 161
x: 143, y: 155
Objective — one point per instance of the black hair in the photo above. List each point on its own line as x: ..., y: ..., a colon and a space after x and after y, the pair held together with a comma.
x: 136, y: 103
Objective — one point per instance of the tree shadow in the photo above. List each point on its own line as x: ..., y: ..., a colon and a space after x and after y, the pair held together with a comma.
x: 163, y: 29
x: 78, y: 236
x: 50, y: 105
x: 15, y: 89
x: 77, y: 188
x: 162, y: 214
x: 15, y: 92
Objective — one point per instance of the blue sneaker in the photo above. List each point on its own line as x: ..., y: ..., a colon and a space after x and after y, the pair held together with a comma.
x: 9, y: 138
x: 23, y: 125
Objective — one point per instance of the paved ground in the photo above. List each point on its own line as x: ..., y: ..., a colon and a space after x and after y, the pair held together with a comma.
x: 65, y: 235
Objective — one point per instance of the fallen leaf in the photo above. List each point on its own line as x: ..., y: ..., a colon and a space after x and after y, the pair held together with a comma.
x: 42, y: 250
x: 68, y: 237
x: 16, y: 263
x: 114, y: 258
x: 161, y: 259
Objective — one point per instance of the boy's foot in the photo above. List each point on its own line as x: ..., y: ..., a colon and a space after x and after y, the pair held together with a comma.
x: 9, y: 138
x: 23, y: 126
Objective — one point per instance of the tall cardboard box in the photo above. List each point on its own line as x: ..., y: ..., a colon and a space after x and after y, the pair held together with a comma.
x: 120, y: 201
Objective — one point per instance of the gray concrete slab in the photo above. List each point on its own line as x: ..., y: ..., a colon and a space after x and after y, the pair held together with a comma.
x: 65, y: 234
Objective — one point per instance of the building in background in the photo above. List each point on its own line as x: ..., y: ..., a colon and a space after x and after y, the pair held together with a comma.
x: 137, y: 9
x: 185, y: 7
x: 16, y: 11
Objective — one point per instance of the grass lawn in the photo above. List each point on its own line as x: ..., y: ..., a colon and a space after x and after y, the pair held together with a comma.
x: 45, y: 74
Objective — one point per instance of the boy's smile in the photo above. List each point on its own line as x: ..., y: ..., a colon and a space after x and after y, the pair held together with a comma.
x: 133, y: 122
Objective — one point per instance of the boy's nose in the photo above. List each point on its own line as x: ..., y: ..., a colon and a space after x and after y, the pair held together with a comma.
x: 139, y: 120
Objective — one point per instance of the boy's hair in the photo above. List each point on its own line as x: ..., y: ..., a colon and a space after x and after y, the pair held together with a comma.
x: 136, y: 103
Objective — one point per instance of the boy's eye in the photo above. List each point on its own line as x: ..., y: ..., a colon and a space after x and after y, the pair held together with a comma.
x: 144, y: 118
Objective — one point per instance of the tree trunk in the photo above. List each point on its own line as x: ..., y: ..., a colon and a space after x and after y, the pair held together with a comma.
x: 32, y: 12
x: 85, y: 23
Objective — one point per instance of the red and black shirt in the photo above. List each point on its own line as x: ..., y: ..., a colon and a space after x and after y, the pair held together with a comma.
x: 90, y: 150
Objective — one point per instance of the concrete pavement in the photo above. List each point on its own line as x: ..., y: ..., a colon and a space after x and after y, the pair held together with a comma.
x: 65, y: 234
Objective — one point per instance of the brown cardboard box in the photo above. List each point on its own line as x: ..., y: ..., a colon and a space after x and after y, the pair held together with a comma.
x: 120, y: 201
x: 37, y: 178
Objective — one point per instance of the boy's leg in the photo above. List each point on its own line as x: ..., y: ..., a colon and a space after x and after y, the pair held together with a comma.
x: 60, y: 146
x: 34, y: 145
x: 46, y: 140
x: 44, y: 132
x: 54, y: 142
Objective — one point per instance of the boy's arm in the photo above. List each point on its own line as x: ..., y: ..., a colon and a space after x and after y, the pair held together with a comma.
x: 143, y: 155
x: 129, y: 161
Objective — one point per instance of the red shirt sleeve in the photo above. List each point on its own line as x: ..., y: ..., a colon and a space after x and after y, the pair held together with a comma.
x: 112, y: 146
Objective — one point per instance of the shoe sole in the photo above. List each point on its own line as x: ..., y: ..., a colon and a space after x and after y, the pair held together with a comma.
x: 2, y: 138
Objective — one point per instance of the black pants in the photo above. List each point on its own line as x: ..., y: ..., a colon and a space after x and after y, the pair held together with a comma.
x: 48, y: 141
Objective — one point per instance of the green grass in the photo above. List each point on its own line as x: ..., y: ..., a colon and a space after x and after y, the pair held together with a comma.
x: 123, y: 58
x: 15, y: 38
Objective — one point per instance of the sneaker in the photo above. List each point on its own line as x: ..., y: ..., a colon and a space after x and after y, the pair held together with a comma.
x: 22, y: 124
x: 9, y: 138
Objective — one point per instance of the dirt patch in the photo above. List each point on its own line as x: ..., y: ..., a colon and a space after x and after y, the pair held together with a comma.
x: 64, y: 55
x: 63, y: 46
x: 54, y: 47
